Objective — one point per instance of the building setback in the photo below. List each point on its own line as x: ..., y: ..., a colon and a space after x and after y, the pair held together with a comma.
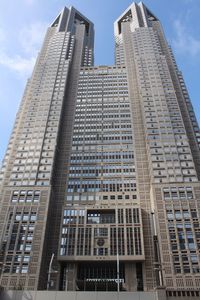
x: 100, y: 184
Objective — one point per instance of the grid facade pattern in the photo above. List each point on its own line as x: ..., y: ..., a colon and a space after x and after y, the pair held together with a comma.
x: 103, y: 166
x: 27, y: 172
x: 171, y: 145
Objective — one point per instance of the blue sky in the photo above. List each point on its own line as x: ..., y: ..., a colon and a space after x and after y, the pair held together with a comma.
x: 23, y: 24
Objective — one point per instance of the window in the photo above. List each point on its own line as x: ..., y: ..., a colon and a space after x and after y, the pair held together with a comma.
x: 28, y: 247
x: 15, y: 196
x: 101, y: 232
x: 33, y: 217
x: 101, y: 217
x: 189, y: 193
x: 24, y: 269
x: 26, y: 258
x: 18, y: 217
x: 29, y: 196
x: 25, y: 217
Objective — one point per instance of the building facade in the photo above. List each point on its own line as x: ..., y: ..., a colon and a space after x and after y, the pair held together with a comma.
x: 100, y: 185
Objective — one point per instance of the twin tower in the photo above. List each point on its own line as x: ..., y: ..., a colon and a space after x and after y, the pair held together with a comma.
x: 100, y: 185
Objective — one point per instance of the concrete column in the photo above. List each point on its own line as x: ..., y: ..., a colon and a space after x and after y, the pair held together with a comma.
x: 130, y: 277
x: 71, y: 275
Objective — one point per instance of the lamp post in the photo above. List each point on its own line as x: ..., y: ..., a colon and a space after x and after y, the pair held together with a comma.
x: 117, y: 244
x: 118, y: 272
x: 50, y: 271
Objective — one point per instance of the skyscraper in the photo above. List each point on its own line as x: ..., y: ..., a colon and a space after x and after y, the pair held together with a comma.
x: 100, y: 183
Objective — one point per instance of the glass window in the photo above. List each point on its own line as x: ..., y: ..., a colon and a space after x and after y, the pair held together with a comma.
x: 178, y: 214
x: 24, y: 269
x: 18, y: 217
x: 33, y: 217
x: 101, y: 231
x: 26, y: 258
x: 28, y: 247
x: 101, y: 217
x: 170, y: 216
x: 25, y: 217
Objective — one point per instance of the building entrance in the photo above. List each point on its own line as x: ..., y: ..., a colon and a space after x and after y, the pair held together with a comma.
x: 100, y: 276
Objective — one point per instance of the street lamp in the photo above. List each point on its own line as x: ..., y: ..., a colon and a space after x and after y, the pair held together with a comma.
x: 50, y: 271
x: 117, y: 244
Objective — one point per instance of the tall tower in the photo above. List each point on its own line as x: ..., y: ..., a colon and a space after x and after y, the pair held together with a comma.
x: 30, y: 200
x: 102, y: 172
x: 166, y: 149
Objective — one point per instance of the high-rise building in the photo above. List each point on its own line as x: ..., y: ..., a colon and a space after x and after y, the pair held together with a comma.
x: 100, y: 185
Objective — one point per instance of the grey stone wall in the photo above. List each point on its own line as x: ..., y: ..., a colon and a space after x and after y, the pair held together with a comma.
x: 45, y: 295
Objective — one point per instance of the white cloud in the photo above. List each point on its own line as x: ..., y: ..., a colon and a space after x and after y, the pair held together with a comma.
x: 29, y: 43
x: 23, y: 66
x: 30, y: 37
x: 184, y: 42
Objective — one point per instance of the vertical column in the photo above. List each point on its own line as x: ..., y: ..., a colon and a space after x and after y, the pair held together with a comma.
x: 131, y: 277
x: 64, y: 142
x: 142, y: 168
